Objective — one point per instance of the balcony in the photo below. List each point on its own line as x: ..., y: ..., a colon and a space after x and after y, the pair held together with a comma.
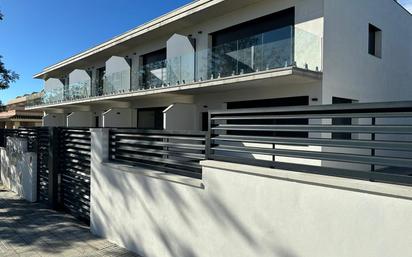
x: 277, y: 49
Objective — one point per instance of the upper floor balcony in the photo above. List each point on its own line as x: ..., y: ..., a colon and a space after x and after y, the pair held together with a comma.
x: 286, y: 47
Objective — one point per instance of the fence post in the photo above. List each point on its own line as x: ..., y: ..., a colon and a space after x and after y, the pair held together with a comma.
x: 53, y: 167
x: 2, y: 138
x: 208, y: 143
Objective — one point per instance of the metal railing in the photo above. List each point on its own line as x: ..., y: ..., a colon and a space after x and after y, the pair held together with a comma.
x: 289, y: 46
x: 363, y: 141
x: 176, y: 152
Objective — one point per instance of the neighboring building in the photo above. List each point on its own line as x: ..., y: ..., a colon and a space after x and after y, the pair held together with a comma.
x: 13, y: 115
x: 218, y: 54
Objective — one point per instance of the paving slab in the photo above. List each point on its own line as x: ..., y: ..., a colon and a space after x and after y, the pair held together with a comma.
x: 31, y: 229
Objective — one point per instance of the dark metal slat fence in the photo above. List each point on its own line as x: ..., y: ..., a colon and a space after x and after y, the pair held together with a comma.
x: 374, y: 142
x: 177, y: 152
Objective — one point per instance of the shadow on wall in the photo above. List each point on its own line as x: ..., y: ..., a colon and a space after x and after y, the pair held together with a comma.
x: 174, y: 242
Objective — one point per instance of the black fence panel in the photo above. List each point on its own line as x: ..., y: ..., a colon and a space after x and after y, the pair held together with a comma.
x: 43, y: 172
x: 74, y: 171
x: 177, y: 152
x: 371, y: 141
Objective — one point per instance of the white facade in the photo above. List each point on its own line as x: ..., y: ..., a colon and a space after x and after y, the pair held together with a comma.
x: 166, y: 72
x: 330, y: 46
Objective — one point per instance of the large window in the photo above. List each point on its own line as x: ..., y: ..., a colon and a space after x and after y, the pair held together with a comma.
x: 375, y: 41
x: 260, y: 44
x: 154, y: 69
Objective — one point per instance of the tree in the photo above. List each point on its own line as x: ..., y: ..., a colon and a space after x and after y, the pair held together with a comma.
x: 6, y: 76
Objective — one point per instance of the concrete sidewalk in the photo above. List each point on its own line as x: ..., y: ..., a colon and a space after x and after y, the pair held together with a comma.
x: 28, y: 229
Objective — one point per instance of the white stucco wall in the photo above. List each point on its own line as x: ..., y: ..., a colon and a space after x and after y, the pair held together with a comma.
x: 119, y: 118
x: 19, y: 169
x: 80, y: 119
x: 349, y: 71
x: 54, y: 120
x: 237, y: 210
x: 180, y: 117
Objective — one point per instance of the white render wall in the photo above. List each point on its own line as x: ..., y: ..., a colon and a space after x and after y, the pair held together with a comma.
x: 180, y: 117
x: 19, y: 169
x: 119, y: 118
x: 349, y: 71
x: 54, y: 120
x: 80, y: 119
x: 238, y: 210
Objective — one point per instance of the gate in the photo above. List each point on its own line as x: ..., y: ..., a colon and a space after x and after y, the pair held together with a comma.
x: 74, y: 171
x: 43, y: 145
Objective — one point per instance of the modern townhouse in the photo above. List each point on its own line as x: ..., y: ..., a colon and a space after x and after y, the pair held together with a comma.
x: 307, y: 178
x: 226, y: 54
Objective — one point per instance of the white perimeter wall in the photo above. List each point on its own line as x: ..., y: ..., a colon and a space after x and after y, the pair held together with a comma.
x: 349, y: 71
x: 232, y: 213
x: 180, y: 117
x: 119, y: 118
x: 54, y: 120
x: 19, y: 169
x: 80, y: 119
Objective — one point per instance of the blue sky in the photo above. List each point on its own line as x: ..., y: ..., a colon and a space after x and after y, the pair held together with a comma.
x: 39, y: 33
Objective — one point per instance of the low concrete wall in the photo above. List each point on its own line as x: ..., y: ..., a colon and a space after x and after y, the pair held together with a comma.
x: 19, y: 169
x: 239, y: 210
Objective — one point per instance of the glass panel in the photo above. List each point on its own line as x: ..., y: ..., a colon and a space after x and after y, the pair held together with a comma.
x: 270, y: 50
x: 153, y: 75
x: 116, y: 82
x: 285, y: 47
x: 78, y: 90
x: 308, y: 50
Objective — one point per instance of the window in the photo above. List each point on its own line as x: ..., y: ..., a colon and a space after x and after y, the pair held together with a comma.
x: 96, y: 121
x: 150, y: 118
x: 375, y: 41
x: 205, y: 121
x: 101, y: 72
x: 259, y: 44
x: 153, y: 68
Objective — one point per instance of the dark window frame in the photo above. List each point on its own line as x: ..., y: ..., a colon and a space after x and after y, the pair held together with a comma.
x: 374, y: 41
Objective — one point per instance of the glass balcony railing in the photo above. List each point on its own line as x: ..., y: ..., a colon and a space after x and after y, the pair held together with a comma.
x: 117, y: 82
x: 78, y: 90
x: 285, y: 47
x: 279, y: 48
